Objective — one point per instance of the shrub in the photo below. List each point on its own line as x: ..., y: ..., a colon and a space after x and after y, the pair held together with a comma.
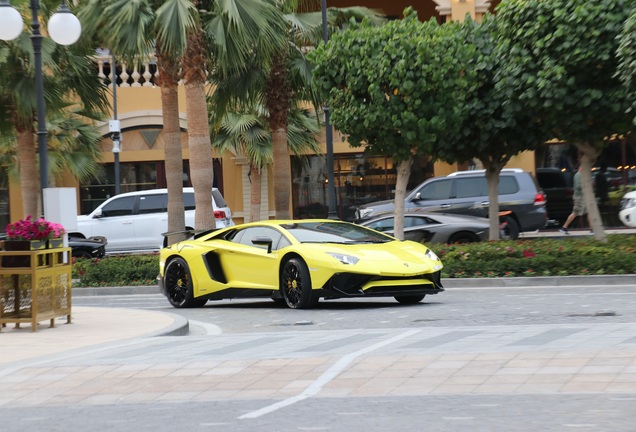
x: 539, y: 257
x: 120, y: 270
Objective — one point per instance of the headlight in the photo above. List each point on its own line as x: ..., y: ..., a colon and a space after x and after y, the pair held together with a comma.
x: 430, y: 254
x: 365, y: 212
x: 628, y: 203
x: 344, y: 259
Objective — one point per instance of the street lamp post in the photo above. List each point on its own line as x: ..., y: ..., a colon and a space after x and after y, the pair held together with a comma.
x: 115, y: 128
x: 65, y: 29
x: 331, y: 184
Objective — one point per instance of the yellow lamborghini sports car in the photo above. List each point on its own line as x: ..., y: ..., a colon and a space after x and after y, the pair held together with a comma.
x: 296, y: 261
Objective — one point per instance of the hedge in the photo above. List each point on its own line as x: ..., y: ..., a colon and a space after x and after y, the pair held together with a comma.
x: 566, y: 256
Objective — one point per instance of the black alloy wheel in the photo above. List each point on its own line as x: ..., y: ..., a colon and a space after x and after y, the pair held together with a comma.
x: 178, y: 283
x: 295, y: 285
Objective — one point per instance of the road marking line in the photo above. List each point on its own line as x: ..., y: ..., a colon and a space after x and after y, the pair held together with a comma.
x: 326, y: 377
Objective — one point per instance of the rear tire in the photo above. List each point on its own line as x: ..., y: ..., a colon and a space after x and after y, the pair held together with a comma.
x: 463, y: 237
x: 81, y: 254
x: 178, y: 285
x: 295, y: 285
x: 410, y: 299
x: 511, y: 229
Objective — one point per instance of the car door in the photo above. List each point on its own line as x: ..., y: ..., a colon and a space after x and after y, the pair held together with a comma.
x: 247, y: 265
x: 434, y: 195
x: 151, y: 221
x: 116, y: 223
x: 470, y: 196
x: 416, y: 228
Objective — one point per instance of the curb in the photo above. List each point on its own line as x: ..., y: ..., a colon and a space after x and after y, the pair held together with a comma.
x: 123, y: 290
x: 535, y: 281
x: 540, y: 281
x: 180, y: 326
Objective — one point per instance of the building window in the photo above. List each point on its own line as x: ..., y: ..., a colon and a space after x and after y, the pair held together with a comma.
x: 359, y: 179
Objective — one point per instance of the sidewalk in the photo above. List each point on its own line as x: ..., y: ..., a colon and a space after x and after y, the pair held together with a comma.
x: 89, y: 326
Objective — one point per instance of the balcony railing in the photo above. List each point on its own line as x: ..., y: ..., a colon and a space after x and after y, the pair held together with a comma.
x: 143, y: 73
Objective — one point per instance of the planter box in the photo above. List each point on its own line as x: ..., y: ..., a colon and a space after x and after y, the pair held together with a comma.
x: 35, y: 286
x: 24, y: 245
x: 56, y: 243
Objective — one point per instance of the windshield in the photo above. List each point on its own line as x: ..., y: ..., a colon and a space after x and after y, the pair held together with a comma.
x: 334, y: 232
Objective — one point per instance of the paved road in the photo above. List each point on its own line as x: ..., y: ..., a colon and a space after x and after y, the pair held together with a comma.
x: 502, y: 358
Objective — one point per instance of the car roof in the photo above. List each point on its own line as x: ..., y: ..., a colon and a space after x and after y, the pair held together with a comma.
x: 483, y: 171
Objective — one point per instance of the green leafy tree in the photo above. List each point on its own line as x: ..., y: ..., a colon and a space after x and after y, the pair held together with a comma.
x: 495, y: 126
x: 289, y: 78
x: 395, y: 88
x: 627, y: 68
x: 71, y: 88
x: 565, y: 68
x: 246, y: 132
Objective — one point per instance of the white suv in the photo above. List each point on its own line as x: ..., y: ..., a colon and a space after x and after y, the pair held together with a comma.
x: 135, y: 221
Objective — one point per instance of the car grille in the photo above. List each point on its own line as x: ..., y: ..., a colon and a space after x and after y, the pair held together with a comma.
x: 350, y: 285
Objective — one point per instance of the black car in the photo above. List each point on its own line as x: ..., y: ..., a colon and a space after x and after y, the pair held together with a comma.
x: 558, y: 189
x: 94, y: 247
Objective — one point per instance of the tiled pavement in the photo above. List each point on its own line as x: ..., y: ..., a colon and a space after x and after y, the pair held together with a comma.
x: 112, y: 356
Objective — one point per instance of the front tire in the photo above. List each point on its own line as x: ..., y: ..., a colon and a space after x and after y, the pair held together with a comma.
x: 295, y: 285
x: 409, y: 299
x: 178, y: 284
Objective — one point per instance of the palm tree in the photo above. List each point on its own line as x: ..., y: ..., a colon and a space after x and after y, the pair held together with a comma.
x: 289, y: 78
x: 133, y: 30
x: 246, y: 132
x: 227, y: 28
x: 69, y: 80
x: 197, y: 36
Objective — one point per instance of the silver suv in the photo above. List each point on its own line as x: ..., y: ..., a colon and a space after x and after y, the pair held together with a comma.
x: 135, y: 221
x: 466, y: 193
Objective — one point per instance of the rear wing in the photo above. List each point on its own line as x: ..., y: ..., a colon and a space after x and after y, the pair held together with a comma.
x: 190, y: 234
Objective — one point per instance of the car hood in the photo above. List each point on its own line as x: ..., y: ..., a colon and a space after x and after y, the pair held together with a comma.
x: 82, y: 218
x: 379, y: 253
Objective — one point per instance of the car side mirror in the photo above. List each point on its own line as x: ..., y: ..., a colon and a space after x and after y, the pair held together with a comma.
x: 417, y: 197
x: 263, y: 241
x: 98, y: 214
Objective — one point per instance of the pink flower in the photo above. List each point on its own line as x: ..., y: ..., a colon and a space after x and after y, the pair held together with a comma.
x: 33, y: 229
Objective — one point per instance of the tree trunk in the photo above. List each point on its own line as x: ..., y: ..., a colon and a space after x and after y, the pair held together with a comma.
x: 282, y: 174
x: 255, y: 193
x: 172, y: 147
x: 403, y: 174
x: 589, y: 153
x: 29, y: 177
x: 278, y: 100
x: 201, y: 167
x: 492, y: 178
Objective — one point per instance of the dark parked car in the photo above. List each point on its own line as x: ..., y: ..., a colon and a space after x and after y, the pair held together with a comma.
x: 466, y: 193
x: 556, y: 184
x: 94, y: 247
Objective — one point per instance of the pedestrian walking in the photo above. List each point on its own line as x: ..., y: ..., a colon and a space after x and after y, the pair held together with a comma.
x: 578, y: 208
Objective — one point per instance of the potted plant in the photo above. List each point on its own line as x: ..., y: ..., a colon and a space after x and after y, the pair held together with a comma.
x: 32, y: 234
